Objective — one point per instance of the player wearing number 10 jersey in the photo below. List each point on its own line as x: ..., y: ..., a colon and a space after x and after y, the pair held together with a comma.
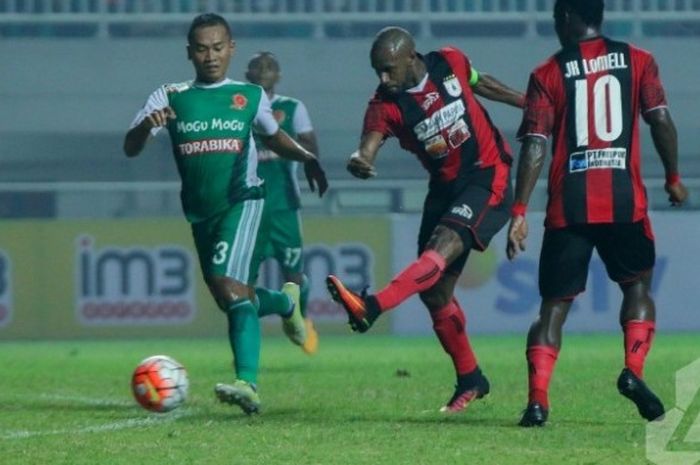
x: 588, y: 97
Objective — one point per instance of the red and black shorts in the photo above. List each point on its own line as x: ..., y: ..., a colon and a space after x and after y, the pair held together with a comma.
x: 466, y: 212
x: 627, y: 250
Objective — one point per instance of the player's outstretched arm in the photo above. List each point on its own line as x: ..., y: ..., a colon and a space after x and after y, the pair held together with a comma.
x: 532, y: 155
x: 283, y: 145
x: 361, y: 162
x: 286, y: 147
x: 665, y: 137
x: 136, y: 137
x: 491, y: 88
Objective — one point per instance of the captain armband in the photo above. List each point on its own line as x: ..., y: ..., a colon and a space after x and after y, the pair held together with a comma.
x: 473, y: 77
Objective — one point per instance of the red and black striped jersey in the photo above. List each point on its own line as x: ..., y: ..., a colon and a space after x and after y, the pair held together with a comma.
x: 588, y: 98
x: 441, y: 122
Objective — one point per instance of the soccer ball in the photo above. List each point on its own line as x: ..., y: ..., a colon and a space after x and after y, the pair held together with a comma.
x: 159, y: 383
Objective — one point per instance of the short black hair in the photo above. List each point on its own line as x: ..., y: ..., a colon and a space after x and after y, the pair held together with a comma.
x: 590, y: 11
x: 206, y: 20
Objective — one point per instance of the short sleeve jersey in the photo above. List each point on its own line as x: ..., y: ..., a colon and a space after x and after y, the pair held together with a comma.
x: 280, y: 175
x: 444, y: 125
x: 589, y: 98
x: 212, y: 141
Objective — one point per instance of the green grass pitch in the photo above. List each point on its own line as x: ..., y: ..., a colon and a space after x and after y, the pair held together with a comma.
x: 362, y: 399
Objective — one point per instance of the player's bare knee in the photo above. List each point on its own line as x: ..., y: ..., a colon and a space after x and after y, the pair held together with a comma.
x: 639, y: 287
x: 553, y: 312
x: 447, y: 243
x: 435, y: 299
x: 227, y: 291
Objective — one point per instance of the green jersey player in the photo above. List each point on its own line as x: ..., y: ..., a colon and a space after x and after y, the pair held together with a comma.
x: 210, y: 122
x: 281, y: 221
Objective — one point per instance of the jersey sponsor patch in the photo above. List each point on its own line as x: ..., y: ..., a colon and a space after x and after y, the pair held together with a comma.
x: 436, y: 146
x: 215, y: 124
x: 430, y: 98
x: 612, y: 158
x: 452, y: 85
x: 202, y: 147
x: 441, y: 119
x: 458, y: 134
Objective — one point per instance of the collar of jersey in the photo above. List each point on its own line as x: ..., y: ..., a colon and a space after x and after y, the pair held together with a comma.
x: 201, y: 85
x: 419, y: 87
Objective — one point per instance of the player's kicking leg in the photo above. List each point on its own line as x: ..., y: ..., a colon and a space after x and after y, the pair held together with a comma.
x: 419, y: 276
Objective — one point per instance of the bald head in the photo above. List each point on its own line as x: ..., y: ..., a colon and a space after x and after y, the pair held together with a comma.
x: 264, y: 70
x: 394, y: 40
x: 395, y: 60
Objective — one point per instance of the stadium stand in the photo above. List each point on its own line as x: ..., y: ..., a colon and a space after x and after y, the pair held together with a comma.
x: 105, y: 63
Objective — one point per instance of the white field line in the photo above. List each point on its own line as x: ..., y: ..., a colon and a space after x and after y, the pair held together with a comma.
x: 152, y: 419
x: 88, y: 400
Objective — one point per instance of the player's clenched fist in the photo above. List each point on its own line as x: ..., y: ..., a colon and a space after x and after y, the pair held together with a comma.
x: 677, y: 193
x: 359, y: 167
x: 159, y: 118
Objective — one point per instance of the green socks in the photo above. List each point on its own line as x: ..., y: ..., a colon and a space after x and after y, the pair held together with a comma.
x: 244, y: 337
x: 304, y: 294
x: 272, y: 303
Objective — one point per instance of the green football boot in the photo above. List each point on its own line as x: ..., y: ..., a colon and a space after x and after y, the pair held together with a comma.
x: 241, y: 393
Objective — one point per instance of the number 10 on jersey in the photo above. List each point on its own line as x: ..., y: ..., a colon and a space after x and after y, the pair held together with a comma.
x: 606, y: 110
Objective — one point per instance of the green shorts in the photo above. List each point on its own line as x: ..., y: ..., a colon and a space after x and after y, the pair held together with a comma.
x: 227, y: 244
x: 280, y: 238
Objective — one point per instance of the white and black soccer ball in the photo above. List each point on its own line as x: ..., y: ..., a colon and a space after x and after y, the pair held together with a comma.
x: 159, y: 383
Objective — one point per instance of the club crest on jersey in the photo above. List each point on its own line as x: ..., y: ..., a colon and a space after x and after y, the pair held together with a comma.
x: 238, y: 102
x: 280, y: 116
x: 452, y: 85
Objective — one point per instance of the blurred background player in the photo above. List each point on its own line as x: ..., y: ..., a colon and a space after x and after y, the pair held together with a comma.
x: 589, y: 97
x: 428, y: 103
x: 281, y: 216
x: 210, y: 122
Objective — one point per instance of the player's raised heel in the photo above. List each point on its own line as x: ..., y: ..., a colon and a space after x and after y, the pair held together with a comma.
x: 469, y: 387
x: 636, y: 390
x: 240, y: 393
x: 355, y: 305
x: 534, y: 415
x: 294, y: 326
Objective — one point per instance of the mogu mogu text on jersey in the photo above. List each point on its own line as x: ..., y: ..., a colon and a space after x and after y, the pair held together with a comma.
x: 599, y: 64
x: 215, y: 124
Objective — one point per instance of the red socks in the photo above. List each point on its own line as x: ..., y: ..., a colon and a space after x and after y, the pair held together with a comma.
x: 417, y: 277
x: 638, y: 337
x: 540, y: 362
x: 541, y: 359
x: 449, y: 325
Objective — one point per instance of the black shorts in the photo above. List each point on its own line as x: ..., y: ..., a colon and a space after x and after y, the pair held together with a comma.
x: 467, y: 213
x: 627, y: 250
